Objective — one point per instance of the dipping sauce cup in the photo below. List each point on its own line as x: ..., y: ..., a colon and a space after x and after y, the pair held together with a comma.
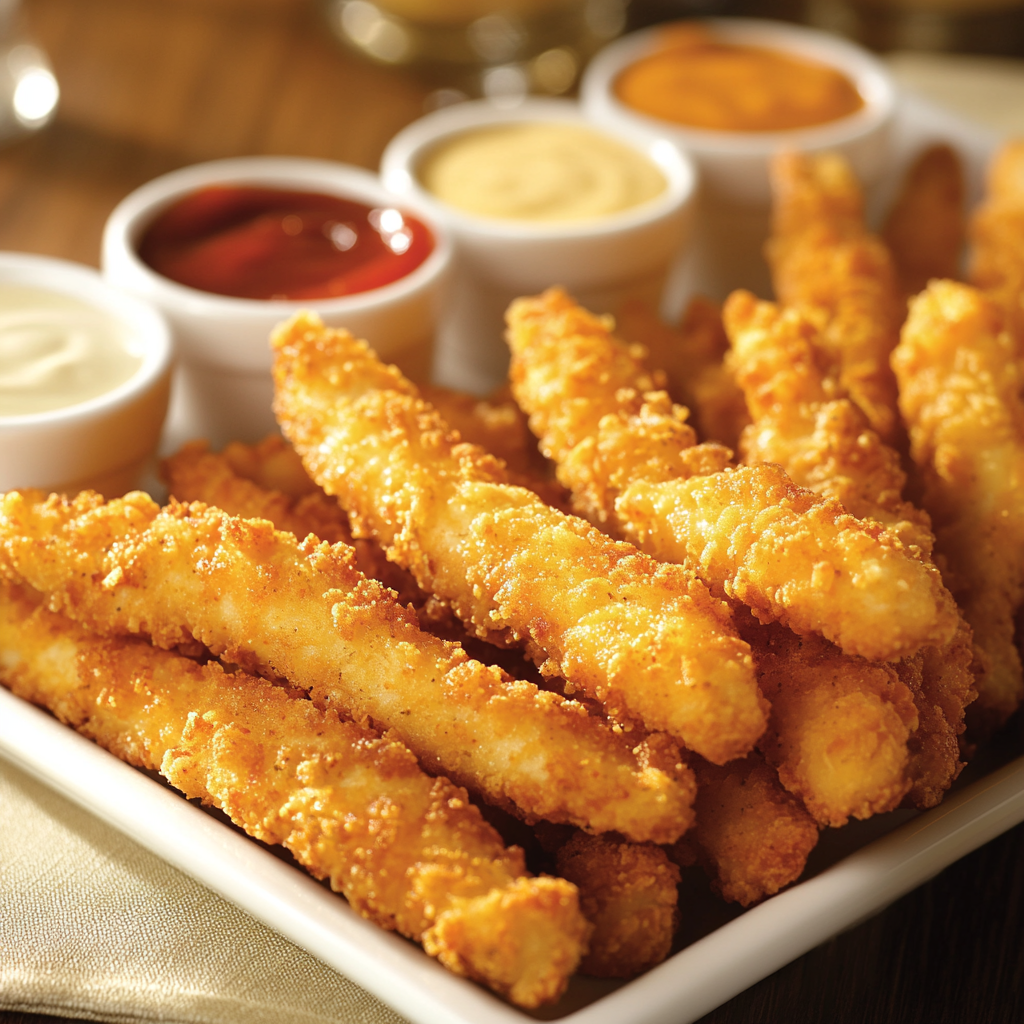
x: 228, y: 249
x: 748, y: 61
x: 537, y: 196
x: 85, y: 375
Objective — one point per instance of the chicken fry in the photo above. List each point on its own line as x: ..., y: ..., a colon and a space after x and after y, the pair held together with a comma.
x: 229, y: 482
x: 960, y: 382
x: 823, y: 259
x: 751, y: 836
x: 691, y: 358
x: 645, y: 639
x: 822, y: 441
x: 826, y: 445
x: 629, y: 893
x: 304, y: 612
x: 408, y: 852
x: 926, y: 228
x: 997, y: 236
x: 629, y: 459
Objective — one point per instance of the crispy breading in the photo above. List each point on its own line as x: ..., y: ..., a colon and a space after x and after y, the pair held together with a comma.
x: 926, y: 227
x: 629, y: 458
x: 825, y: 444
x: 751, y: 837
x: 800, y: 422
x: 231, y: 482
x: 408, y: 852
x: 822, y: 258
x: 691, y: 358
x: 629, y: 893
x: 645, y: 639
x: 303, y: 612
x: 840, y: 726
x: 997, y: 236
x: 960, y: 394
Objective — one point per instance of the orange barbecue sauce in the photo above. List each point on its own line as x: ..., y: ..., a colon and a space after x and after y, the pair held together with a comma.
x: 696, y: 80
x: 266, y: 243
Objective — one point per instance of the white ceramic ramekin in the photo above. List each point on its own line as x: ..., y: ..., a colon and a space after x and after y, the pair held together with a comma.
x: 105, y: 442
x: 732, y: 215
x: 601, y: 261
x: 223, y: 389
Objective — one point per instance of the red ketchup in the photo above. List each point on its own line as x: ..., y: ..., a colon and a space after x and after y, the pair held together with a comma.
x: 266, y: 243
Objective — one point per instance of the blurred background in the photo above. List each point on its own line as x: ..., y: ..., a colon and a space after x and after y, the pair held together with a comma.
x: 146, y: 87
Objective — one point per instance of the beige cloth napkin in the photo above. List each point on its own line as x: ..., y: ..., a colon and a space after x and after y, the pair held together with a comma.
x: 92, y: 925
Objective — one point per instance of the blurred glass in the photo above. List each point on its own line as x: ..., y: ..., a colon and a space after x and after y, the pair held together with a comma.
x: 28, y: 87
x: 501, y: 49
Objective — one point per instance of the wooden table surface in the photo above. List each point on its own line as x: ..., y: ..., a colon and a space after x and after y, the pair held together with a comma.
x: 151, y: 86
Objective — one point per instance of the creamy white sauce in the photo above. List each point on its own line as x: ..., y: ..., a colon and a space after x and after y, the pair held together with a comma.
x: 57, y: 351
x: 540, y: 172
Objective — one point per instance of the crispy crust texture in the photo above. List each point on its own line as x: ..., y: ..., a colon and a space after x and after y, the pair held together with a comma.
x: 751, y: 837
x: 646, y: 640
x: 960, y: 380
x: 822, y: 258
x: 303, y: 612
x: 997, y: 236
x: 629, y: 892
x: 408, y: 852
x: 630, y: 460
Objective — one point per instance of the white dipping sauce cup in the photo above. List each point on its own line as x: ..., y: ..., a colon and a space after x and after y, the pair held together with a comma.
x: 104, y: 443
x: 601, y: 261
x: 733, y: 208
x: 223, y: 389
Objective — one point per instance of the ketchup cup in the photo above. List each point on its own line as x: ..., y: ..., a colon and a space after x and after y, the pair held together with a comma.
x: 223, y: 389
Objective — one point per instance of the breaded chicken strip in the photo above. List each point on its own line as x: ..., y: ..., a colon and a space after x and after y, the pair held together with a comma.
x: 691, y: 358
x: 997, y: 236
x: 408, y: 852
x: 840, y: 726
x: 629, y: 458
x: 960, y: 394
x: 646, y: 640
x: 303, y: 612
x: 229, y: 482
x: 751, y: 837
x: 799, y: 422
x: 629, y: 893
x: 822, y: 258
x: 926, y: 228
x: 825, y: 444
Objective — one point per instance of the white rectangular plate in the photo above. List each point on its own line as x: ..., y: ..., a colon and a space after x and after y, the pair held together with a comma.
x: 706, y: 973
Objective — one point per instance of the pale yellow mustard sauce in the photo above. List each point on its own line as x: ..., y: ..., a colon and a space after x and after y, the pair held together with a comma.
x: 540, y: 171
x: 57, y: 351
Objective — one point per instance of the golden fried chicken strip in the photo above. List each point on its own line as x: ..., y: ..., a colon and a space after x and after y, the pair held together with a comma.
x: 303, y: 612
x: 840, y: 725
x: 825, y: 444
x: 823, y: 258
x: 751, y: 837
x: 647, y: 640
x: 229, y: 482
x: 691, y: 358
x: 408, y: 852
x: 629, y: 893
x: 925, y: 230
x: 960, y: 394
x: 997, y: 236
x: 629, y: 458
x: 823, y: 441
